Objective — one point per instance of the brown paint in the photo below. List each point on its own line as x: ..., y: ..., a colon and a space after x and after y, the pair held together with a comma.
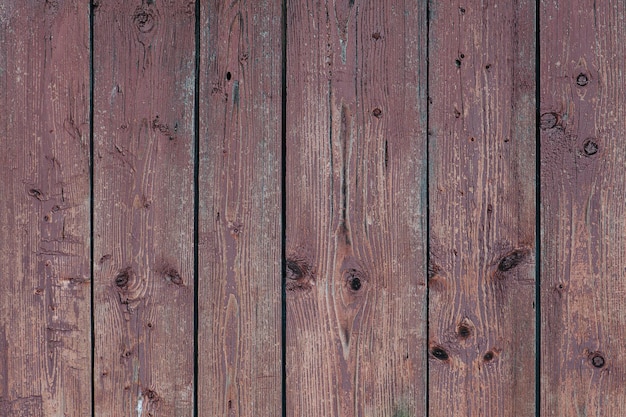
x: 240, y: 267
x: 582, y: 198
x: 45, y: 347
x: 355, y: 165
x: 143, y: 206
x: 482, y: 208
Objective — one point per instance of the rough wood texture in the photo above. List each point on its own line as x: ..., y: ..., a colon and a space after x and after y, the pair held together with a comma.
x: 45, y: 348
x: 239, y: 341
x: 583, y: 189
x: 356, y: 214
x: 482, y: 192
x: 143, y: 211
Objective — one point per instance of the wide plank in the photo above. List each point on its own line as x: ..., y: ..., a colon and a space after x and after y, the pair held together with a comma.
x: 45, y: 284
x: 144, y: 89
x: 240, y: 227
x: 356, y: 208
x: 583, y: 189
x: 482, y: 209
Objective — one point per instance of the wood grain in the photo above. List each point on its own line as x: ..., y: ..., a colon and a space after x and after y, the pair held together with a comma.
x: 144, y: 85
x: 239, y: 299
x: 583, y: 189
x: 355, y: 208
x: 482, y: 209
x: 45, y: 349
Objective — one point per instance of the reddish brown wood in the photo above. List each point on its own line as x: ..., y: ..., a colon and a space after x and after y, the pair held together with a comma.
x: 583, y: 187
x: 482, y: 209
x: 239, y: 340
x: 355, y: 279
x: 144, y: 56
x: 45, y: 354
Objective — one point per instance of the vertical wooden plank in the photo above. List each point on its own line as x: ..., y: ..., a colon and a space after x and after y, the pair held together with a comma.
x: 583, y: 189
x: 45, y: 342
x: 356, y: 213
x: 239, y: 303
x: 144, y: 63
x: 482, y: 206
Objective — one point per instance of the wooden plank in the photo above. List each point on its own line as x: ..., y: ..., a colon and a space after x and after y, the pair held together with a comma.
x: 355, y: 209
x: 239, y: 299
x: 583, y: 189
x: 482, y: 209
x: 45, y: 336
x: 144, y: 70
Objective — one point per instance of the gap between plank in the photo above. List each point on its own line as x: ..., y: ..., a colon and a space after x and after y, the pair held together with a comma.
x: 283, y: 211
x: 537, y: 211
x: 91, y: 208
x: 196, y: 206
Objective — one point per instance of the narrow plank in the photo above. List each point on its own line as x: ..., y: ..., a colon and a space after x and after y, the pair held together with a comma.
x: 239, y: 298
x: 355, y: 209
x: 583, y: 189
x: 144, y: 71
x: 45, y: 335
x: 482, y: 209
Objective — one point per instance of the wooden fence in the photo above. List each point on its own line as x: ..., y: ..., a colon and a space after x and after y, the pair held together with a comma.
x: 312, y: 208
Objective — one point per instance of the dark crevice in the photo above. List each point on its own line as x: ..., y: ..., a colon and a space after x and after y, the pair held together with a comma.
x: 537, y: 211
x: 283, y: 203
x: 196, y: 207
x: 427, y: 202
x: 91, y: 207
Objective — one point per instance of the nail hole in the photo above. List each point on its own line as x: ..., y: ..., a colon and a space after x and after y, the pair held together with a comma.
x: 439, y: 353
x: 597, y: 360
x: 376, y: 35
x: 228, y: 76
x: 462, y: 56
x: 33, y: 192
x: 377, y: 112
x: 464, y: 331
x: 488, y: 356
x: 354, y: 279
x: 462, y: 10
x: 548, y: 121
x: 457, y: 62
x: 582, y: 80
x: 590, y: 147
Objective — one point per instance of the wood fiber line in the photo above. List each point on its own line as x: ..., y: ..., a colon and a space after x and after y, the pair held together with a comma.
x: 45, y: 349
x: 482, y: 209
x: 144, y: 87
x: 583, y: 189
x: 240, y: 237
x: 355, y: 208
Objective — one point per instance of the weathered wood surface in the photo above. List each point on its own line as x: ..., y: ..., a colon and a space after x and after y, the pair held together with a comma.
x: 583, y: 189
x: 482, y: 209
x: 45, y: 346
x: 355, y: 208
x: 240, y: 238
x: 144, y: 72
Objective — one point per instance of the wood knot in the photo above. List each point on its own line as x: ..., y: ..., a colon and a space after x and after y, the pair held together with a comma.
x: 170, y: 274
x: 354, y: 279
x: 513, y: 259
x: 299, y: 275
x: 438, y: 352
x: 144, y: 20
x: 123, y: 277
